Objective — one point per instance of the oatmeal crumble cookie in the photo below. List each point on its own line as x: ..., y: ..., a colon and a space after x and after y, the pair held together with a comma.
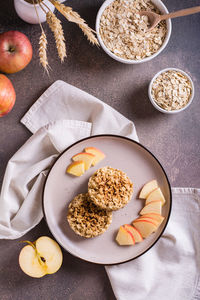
x: 110, y: 189
x: 86, y: 219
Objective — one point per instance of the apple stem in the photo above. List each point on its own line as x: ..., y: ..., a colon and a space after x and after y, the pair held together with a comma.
x: 11, y: 49
x: 28, y: 242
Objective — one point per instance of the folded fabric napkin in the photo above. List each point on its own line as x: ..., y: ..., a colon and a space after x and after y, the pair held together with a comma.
x: 61, y: 116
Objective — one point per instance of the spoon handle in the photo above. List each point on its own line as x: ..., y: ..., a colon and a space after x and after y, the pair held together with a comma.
x: 181, y: 13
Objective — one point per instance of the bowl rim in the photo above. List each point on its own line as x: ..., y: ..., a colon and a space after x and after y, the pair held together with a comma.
x: 163, y: 9
x: 153, y: 101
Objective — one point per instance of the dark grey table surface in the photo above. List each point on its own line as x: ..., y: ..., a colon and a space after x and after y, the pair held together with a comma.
x: 175, y: 140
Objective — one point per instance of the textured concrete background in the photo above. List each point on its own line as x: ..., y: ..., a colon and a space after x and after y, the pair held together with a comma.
x: 175, y: 140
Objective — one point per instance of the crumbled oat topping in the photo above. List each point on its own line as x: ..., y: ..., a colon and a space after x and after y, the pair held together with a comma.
x: 124, y: 31
x: 171, y: 90
x: 110, y: 188
x: 86, y: 219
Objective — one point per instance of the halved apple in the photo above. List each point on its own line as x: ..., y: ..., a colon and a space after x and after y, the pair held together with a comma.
x: 124, y: 237
x: 41, y: 257
x: 145, y: 227
x: 148, y: 188
x: 154, y: 216
x: 152, y: 207
x: 99, y: 155
x: 135, y: 233
x: 156, y: 195
x: 77, y: 168
x: 87, y: 158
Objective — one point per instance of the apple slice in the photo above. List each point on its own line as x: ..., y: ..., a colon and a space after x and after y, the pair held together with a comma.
x: 77, y: 168
x: 155, y: 222
x: 145, y: 227
x: 41, y: 258
x: 154, y: 216
x: 99, y: 155
x: 87, y: 158
x: 135, y: 233
x: 152, y: 207
x: 124, y: 237
x: 155, y: 195
x: 148, y: 188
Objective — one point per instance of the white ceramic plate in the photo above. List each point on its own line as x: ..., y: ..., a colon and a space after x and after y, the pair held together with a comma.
x: 60, y: 188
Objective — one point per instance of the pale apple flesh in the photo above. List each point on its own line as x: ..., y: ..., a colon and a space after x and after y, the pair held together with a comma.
x: 156, y: 195
x: 124, y: 237
x: 51, y: 254
x: 145, y: 227
x: 76, y: 168
x: 30, y: 263
x: 136, y: 234
x: 87, y: 158
x: 41, y: 258
x: 99, y: 155
x: 152, y: 207
x: 148, y: 188
x: 154, y: 216
x: 7, y: 95
x: 155, y: 222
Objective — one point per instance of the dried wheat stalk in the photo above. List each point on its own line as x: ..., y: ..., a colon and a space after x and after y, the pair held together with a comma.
x: 42, y: 44
x: 56, y: 27
x: 43, y: 51
x: 74, y: 17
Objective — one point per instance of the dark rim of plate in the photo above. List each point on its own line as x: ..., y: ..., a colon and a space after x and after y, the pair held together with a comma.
x: 140, y: 145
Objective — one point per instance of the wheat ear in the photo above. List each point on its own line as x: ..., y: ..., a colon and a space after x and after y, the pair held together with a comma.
x: 43, y: 51
x: 74, y: 17
x: 56, y: 27
x: 42, y: 44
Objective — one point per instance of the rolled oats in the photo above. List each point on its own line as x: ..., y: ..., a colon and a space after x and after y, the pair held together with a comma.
x: 171, y: 90
x: 124, y: 31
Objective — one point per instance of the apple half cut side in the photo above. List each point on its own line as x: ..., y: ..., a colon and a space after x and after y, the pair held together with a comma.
x: 99, y: 155
x: 144, y: 227
x: 77, y: 168
x: 152, y: 207
x: 87, y: 158
x: 135, y: 233
x: 41, y: 257
x: 156, y: 195
x: 124, y: 237
x: 148, y: 188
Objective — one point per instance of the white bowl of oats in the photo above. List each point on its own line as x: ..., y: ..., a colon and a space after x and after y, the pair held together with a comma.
x: 171, y: 90
x: 122, y: 32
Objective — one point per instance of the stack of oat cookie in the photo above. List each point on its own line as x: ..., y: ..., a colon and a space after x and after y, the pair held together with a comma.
x: 90, y: 214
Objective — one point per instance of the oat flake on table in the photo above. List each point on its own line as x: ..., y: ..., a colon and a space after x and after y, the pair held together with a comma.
x: 124, y: 31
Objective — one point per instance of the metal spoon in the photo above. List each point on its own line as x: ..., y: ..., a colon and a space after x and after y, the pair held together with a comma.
x: 154, y: 18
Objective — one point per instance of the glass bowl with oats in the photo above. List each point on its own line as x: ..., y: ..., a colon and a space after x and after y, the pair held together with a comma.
x: 123, y: 33
x: 171, y: 90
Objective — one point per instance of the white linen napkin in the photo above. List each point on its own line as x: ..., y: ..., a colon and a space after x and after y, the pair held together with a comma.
x: 61, y: 116
x: 171, y: 269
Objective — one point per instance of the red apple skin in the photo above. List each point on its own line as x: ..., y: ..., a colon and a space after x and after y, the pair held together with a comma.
x: 15, y: 51
x: 7, y: 95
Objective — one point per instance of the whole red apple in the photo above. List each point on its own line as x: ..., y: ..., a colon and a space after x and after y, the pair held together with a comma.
x: 15, y: 51
x: 7, y: 95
